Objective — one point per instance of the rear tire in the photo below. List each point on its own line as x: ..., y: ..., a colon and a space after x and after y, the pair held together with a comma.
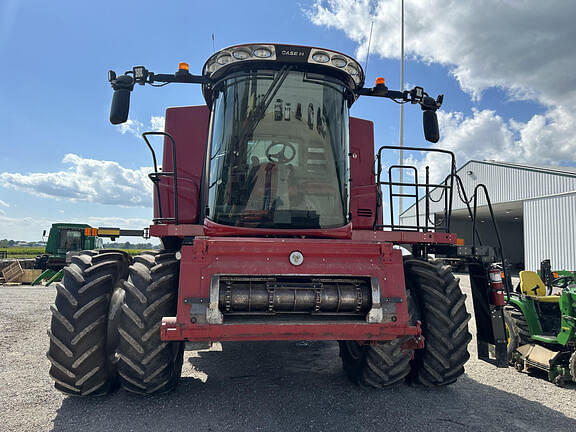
x: 572, y: 366
x: 147, y: 364
x: 378, y: 365
x: 82, y: 349
x: 438, y: 303
x: 519, y: 325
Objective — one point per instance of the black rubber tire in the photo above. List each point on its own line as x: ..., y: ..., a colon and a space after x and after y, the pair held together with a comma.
x: 511, y: 334
x: 147, y: 364
x: 81, y: 340
x: 40, y: 262
x: 519, y: 324
x: 439, y: 304
x: 378, y: 365
x: 572, y: 366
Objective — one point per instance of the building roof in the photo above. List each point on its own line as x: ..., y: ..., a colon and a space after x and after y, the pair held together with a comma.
x: 548, y: 169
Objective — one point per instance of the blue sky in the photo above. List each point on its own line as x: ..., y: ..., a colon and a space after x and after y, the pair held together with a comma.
x: 62, y: 161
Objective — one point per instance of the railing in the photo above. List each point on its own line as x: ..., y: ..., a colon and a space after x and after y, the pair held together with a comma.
x: 156, y: 176
x: 420, y: 191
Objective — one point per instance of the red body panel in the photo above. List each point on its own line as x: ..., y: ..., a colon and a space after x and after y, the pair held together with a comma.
x: 173, y: 330
x: 214, y: 229
x: 258, y: 256
x: 189, y: 128
x: 364, y: 190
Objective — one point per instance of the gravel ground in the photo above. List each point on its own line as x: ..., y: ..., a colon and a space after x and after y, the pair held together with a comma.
x: 266, y: 386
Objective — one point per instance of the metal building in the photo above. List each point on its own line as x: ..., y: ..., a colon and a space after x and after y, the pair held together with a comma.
x: 534, y: 206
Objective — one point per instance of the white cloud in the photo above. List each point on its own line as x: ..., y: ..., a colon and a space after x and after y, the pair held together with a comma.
x: 4, y: 204
x: 22, y: 228
x: 157, y: 123
x: 88, y: 180
x: 135, y: 127
x: 521, y: 47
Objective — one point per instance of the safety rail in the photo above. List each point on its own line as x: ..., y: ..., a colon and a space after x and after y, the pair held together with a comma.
x: 156, y: 176
x: 424, y: 191
x: 446, y: 186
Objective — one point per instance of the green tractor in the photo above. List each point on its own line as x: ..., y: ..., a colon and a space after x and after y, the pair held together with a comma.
x: 65, y: 239
x: 540, y: 322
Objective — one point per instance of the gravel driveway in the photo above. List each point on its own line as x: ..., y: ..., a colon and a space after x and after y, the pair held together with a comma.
x: 267, y: 386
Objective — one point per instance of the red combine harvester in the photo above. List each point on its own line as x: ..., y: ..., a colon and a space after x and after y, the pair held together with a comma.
x: 270, y: 211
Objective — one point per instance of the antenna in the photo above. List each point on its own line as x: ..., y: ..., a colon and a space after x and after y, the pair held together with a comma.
x: 213, y: 45
x: 368, y: 53
x: 401, y: 116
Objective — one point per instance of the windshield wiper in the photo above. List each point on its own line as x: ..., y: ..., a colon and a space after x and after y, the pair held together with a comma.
x: 257, y: 114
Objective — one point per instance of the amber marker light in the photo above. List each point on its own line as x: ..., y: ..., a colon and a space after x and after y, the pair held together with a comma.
x: 183, y: 66
x: 380, y: 81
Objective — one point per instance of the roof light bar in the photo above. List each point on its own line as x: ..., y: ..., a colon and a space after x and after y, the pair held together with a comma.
x: 297, y: 54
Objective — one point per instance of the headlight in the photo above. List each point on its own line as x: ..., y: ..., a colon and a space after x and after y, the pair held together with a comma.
x: 211, y: 67
x: 224, y: 58
x: 262, y: 52
x: 339, y: 61
x: 320, y: 57
x: 241, y: 54
x: 353, y: 70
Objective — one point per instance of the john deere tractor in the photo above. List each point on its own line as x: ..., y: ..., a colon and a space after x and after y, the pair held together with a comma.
x: 541, y: 323
x: 66, y: 239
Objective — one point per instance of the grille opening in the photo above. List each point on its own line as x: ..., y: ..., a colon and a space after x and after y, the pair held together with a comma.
x: 364, y: 212
x: 294, y: 297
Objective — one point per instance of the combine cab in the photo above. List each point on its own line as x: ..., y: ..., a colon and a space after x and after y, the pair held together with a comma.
x: 269, y: 206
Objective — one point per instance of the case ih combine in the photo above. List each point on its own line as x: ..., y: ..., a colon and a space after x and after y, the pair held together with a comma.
x: 270, y: 211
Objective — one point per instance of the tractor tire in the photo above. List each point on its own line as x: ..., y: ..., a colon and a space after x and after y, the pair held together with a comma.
x: 436, y: 300
x: 83, y: 327
x: 518, y: 324
x: 379, y: 365
x: 572, y: 366
x: 147, y: 364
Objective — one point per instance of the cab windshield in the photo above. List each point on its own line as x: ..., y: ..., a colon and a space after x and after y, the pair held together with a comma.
x: 279, y: 151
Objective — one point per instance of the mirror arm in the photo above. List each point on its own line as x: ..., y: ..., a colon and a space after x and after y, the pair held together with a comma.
x: 415, y: 96
x: 178, y: 77
x: 124, y: 84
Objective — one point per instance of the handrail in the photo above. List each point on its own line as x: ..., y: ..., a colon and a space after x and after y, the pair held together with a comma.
x: 155, y: 176
x: 446, y: 186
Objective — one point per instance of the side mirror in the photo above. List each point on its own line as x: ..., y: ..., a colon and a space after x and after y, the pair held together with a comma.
x: 44, y: 233
x: 120, y: 107
x: 430, y: 122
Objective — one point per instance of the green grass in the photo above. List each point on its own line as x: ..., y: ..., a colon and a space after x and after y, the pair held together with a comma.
x: 22, y: 252
x: 32, y: 252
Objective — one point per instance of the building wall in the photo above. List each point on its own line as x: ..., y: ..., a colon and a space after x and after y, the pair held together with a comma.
x: 550, y: 231
x: 504, y: 184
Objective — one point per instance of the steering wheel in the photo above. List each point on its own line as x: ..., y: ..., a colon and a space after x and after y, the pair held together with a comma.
x: 284, y: 154
x: 563, y: 281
